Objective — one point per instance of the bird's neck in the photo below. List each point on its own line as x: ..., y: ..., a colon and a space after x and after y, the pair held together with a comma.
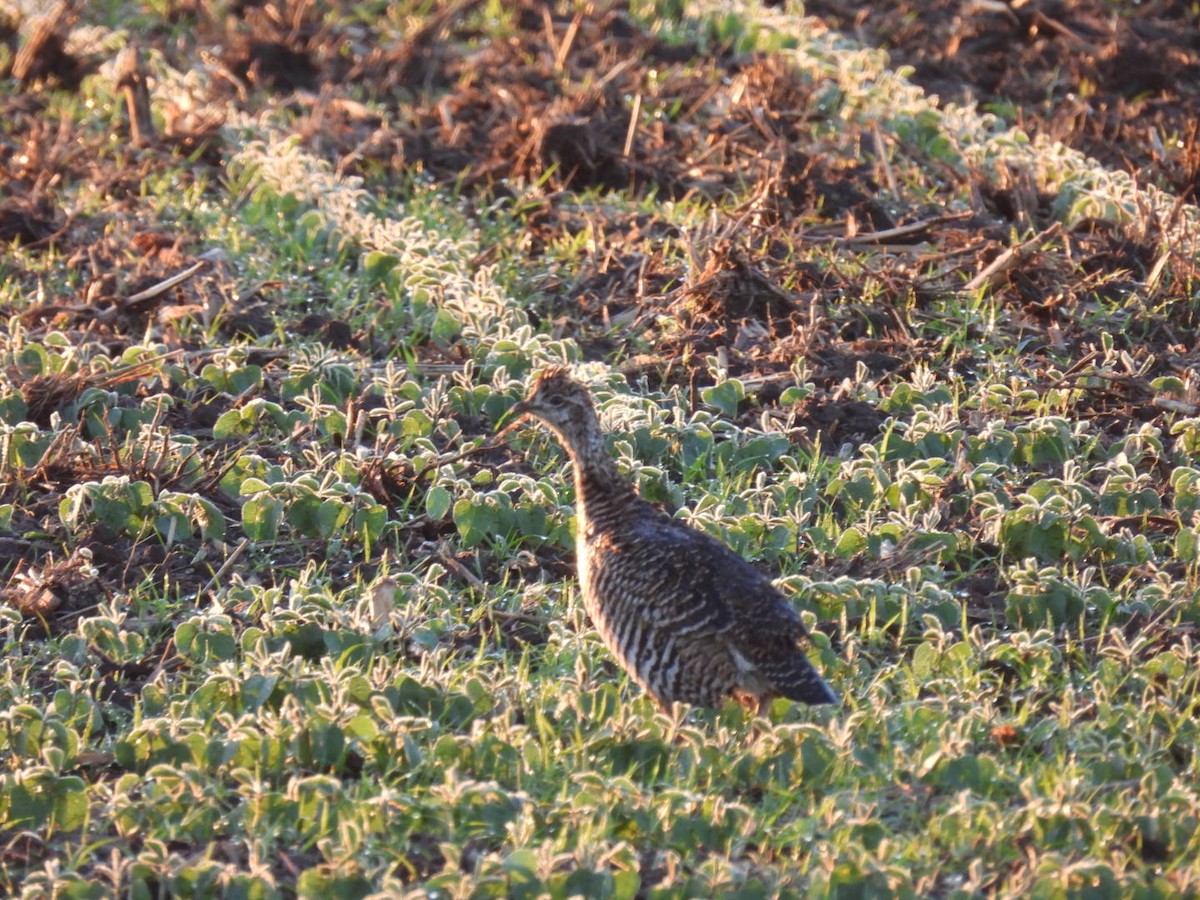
x: 601, y: 490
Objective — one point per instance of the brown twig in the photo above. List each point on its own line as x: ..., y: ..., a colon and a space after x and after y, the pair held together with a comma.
x: 132, y: 82
x: 1009, y: 259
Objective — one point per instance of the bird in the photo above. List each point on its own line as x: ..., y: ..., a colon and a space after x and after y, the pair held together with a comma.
x: 688, y: 619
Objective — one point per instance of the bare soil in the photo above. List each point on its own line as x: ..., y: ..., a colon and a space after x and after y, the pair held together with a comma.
x: 1118, y: 81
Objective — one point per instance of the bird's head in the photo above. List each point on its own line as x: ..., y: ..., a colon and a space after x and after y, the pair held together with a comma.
x: 562, y: 403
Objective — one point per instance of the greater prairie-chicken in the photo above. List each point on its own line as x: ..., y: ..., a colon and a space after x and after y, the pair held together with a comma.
x: 689, y: 619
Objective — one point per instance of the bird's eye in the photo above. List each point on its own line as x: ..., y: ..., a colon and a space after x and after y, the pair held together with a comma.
x: 554, y: 400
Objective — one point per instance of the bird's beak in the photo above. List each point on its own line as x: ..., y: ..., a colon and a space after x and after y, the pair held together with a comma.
x: 515, y: 417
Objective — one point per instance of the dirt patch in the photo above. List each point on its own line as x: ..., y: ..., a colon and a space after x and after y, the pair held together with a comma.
x: 837, y: 423
x: 41, y: 57
x: 1121, y: 82
x: 561, y: 103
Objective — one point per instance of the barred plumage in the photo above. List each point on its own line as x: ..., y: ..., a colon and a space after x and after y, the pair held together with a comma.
x: 689, y: 619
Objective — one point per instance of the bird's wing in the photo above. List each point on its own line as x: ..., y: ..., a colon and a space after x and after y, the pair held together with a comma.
x: 705, y: 586
x: 764, y: 630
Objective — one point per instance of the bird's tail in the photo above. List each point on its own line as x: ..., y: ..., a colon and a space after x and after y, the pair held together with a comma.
x: 804, y: 685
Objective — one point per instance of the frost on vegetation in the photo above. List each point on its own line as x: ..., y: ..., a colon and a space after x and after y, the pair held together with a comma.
x: 432, y: 268
x: 281, y: 165
x: 858, y: 86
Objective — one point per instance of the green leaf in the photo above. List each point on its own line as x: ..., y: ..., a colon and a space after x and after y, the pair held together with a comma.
x: 445, y: 329
x: 114, y: 514
x: 13, y: 409
x: 369, y: 522
x: 303, y: 515
x: 851, y: 543
x: 257, y: 690
x: 253, y: 485
x: 332, y: 514
x: 725, y: 396
x: 320, y: 883
x: 229, y: 425
x: 376, y: 265
x: 201, y: 639
x: 261, y: 516
x: 70, y: 803
x: 626, y: 885
x: 471, y: 520
x: 925, y: 661
x: 521, y: 860
x: 416, y: 424
x: 437, y: 502
x: 1187, y: 545
x: 44, y: 796
x: 794, y: 394
x: 816, y: 757
x: 210, y: 519
x: 244, y: 378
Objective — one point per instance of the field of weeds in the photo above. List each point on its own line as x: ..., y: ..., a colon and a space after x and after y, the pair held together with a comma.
x: 916, y: 333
